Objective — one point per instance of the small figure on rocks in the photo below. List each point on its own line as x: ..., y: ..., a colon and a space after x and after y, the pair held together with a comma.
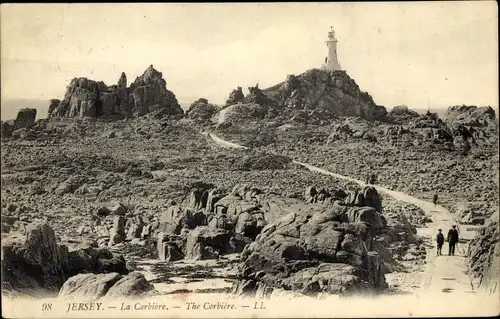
x: 435, y: 199
x: 439, y: 241
x: 452, y: 240
x: 373, y: 178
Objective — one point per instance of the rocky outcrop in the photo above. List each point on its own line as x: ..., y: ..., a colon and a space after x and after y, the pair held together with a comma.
x: 88, y: 98
x: 24, y: 121
x: 131, y: 285
x: 170, y: 247
x: 483, y: 255
x: 111, y: 285
x: 463, y: 129
x: 206, y: 243
x: 241, y: 114
x: 313, y: 251
x: 316, y: 96
x: 352, y: 127
x: 38, y: 262
x: 471, y: 213
x: 235, y: 96
x: 257, y: 96
x: 201, y: 111
x: 53, y: 104
x: 332, y: 242
x: 401, y: 114
x: 35, y: 261
x: 329, y: 232
x: 149, y: 93
x: 25, y: 118
x: 7, y: 128
x: 474, y: 125
x: 88, y: 285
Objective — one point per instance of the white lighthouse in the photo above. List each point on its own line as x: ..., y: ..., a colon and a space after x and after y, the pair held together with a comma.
x: 331, y: 60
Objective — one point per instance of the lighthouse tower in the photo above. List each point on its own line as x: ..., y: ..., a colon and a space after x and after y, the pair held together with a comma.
x: 331, y: 60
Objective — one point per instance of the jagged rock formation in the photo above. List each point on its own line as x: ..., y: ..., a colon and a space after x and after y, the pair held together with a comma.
x: 7, y: 128
x: 342, y: 247
x: 339, y: 240
x: 201, y: 110
x: 316, y: 95
x: 235, y: 96
x: 25, y: 119
x: 87, y: 98
x: 408, y: 129
x: 483, y: 255
x: 474, y: 125
x: 38, y: 263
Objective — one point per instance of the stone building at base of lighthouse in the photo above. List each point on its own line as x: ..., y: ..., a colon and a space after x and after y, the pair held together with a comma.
x: 331, y: 60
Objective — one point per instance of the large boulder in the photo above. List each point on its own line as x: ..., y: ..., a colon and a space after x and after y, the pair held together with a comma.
x: 132, y: 285
x: 38, y: 262
x: 7, y: 128
x: 206, y: 243
x: 170, y: 247
x: 201, y: 111
x: 117, y: 234
x: 472, y: 124
x: 470, y: 116
x: 88, y: 286
x: 25, y: 118
x: 176, y: 218
x: 33, y: 260
x: 112, y: 285
x: 372, y: 198
x: 289, y: 252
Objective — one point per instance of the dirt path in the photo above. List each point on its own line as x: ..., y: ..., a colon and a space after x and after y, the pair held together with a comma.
x: 445, y: 274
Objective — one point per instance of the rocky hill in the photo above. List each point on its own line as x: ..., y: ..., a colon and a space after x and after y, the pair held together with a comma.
x: 88, y: 98
x: 315, y: 95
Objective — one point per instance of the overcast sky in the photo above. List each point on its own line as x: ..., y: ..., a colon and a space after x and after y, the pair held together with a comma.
x: 401, y: 53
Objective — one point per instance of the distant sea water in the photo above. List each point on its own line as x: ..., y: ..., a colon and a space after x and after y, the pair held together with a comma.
x: 9, y: 108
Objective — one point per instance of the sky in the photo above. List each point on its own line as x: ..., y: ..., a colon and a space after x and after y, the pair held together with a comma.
x: 411, y: 53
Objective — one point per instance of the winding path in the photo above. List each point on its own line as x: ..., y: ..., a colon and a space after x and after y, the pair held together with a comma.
x: 446, y: 274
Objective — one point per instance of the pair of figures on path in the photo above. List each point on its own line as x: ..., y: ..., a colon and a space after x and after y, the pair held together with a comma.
x: 452, y: 241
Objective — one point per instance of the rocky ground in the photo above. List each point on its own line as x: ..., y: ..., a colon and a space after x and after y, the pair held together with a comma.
x: 98, y: 183
x: 122, y: 194
x: 463, y: 182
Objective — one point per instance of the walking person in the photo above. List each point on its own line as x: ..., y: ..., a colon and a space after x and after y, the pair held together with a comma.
x: 452, y: 240
x: 435, y: 199
x: 439, y: 241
